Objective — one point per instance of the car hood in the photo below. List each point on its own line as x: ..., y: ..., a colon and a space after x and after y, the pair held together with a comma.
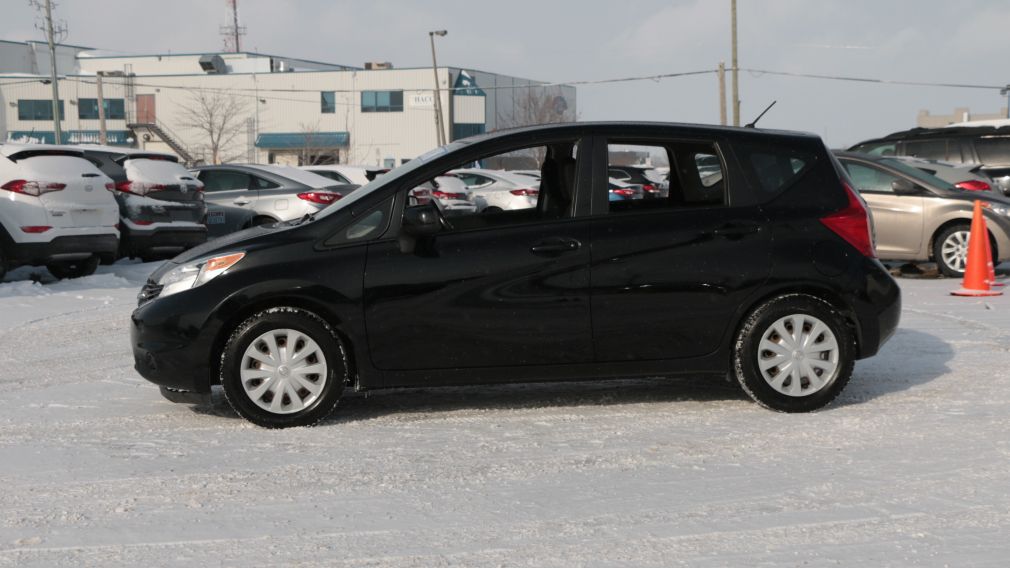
x: 228, y: 243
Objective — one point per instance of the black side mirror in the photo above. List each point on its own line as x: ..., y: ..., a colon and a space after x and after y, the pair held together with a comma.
x: 904, y: 187
x: 421, y: 220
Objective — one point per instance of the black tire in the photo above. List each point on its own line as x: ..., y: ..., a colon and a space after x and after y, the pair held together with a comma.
x: 304, y: 322
x: 74, y: 268
x: 946, y: 268
x: 262, y: 220
x: 747, y: 353
x: 492, y: 210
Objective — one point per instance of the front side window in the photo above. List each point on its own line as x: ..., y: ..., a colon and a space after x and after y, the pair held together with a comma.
x: 37, y: 109
x: 87, y: 109
x: 665, y: 176
x: 511, y: 199
x: 327, y: 102
x: 382, y: 101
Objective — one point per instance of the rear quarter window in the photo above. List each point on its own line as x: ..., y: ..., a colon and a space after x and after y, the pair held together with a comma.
x: 773, y: 169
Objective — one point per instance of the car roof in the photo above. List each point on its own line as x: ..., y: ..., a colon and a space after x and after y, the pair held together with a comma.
x: 14, y: 147
x: 963, y: 129
x: 576, y: 127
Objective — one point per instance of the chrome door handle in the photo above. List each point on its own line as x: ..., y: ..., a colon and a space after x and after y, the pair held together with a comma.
x: 241, y: 201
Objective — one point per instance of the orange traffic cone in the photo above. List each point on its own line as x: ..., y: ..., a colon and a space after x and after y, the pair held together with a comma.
x: 976, y: 274
x: 991, y: 262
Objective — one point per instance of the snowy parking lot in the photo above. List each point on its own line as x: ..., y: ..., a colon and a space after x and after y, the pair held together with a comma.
x: 909, y: 466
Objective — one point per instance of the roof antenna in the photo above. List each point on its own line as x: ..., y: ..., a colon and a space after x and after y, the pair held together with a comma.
x: 755, y: 121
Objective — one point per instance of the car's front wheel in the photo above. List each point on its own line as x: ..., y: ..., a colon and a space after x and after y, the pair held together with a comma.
x: 284, y: 367
x: 794, y: 353
x: 950, y: 250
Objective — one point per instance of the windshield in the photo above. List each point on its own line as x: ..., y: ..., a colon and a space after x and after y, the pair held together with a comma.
x: 917, y: 174
x: 391, y: 177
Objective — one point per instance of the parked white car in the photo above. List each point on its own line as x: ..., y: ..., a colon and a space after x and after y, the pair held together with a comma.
x: 56, y: 210
x: 499, y: 190
x: 357, y: 175
x: 451, y: 194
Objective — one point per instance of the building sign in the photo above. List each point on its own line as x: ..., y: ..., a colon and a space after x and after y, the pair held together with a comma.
x: 466, y: 85
x: 421, y: 99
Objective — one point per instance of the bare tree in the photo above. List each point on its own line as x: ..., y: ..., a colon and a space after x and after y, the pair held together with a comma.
x: 221, y: 119
x: 310, y: 154
x: 531, y: 105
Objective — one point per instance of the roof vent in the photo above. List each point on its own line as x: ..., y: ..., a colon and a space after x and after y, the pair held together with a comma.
x: 378, y: 65
x: 213, y: 64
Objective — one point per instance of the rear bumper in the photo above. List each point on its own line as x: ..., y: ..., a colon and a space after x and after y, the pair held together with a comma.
x: 65, y: 247
x: 167, y: 241
x: 877, y: 310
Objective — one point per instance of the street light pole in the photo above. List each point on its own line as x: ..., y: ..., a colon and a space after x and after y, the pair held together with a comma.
x: 57, y: 130
x: 438, y: 93
x: 736, y: 68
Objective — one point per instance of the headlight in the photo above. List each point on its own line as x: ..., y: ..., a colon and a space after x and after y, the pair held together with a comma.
x: 196, y: 273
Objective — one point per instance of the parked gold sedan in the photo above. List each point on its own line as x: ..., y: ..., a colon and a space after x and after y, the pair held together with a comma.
x: 920, y: 217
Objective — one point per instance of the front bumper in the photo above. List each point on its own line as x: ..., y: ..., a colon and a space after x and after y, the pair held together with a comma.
x: 64, y: 247
x: 172, y: 340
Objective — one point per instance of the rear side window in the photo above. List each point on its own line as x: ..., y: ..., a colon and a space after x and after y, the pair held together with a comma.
x: 877, y: 148
x: 869, y: 179
x: 776, y: 168
x: 223, y: 180
x: 927, y: 149
x: 664, y: 175
x: 993, y: 151
x: 262, y: 183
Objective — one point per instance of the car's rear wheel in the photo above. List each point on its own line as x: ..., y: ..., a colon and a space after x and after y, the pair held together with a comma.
x: 794, y: 353
x: 284, y: 367
x: 74, y: 268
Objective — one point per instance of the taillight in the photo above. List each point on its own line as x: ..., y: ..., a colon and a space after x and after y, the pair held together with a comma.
x: 973, y: 185
x: 143, y: 223
x: 447, y: 195
x: 33, y: 188
x: 650, y: 188
x: 36, y: 228
x: 110, y: 186
x: 852, y: 224
x: 321, y: 197
x: 624, y: 192
x: 139, y: 187
x: 528, y: 192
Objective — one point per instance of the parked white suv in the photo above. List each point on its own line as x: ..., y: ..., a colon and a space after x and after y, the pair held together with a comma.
x: 56, y: 209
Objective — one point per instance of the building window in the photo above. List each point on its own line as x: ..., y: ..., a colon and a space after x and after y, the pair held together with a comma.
x: 382, y: 101
x: 87, y: 109
x: 327, y: 102
x: 38, y: 109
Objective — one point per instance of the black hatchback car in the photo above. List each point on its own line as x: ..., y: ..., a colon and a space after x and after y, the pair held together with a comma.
x: 766, y: 274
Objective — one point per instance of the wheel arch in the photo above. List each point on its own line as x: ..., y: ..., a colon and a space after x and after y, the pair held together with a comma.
x: 959, y: 221
x: 230, y: 323
x: 830, y: 297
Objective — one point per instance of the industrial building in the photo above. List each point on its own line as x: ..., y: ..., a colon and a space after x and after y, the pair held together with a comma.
x: 252, y: 107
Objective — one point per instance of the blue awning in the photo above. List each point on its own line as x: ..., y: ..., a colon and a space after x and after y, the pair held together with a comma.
x: 295, y: 140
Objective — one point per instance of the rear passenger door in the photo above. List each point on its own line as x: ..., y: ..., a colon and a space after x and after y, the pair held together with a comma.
x: 669, y: 273
x: 230, y: 200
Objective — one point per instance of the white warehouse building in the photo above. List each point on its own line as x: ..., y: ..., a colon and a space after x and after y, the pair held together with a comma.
x: 251, y: 107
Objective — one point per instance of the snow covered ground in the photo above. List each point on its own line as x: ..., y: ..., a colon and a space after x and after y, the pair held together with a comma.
x: 910, y: 467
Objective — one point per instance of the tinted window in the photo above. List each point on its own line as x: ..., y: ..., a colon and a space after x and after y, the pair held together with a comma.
x: 993, y: 151
x: 327, y: 102
x: 917, y: 174
x: 878, y: 148
x: 223, y: 180
x: 869, y: 179
x: 473, y: 180
x: 115, y: 109
x: 38, y: 109
x: 381, y: 101
x: 370, y: 224
x: 775, y: 171
x: 928, y: 149
x: 262, y: 183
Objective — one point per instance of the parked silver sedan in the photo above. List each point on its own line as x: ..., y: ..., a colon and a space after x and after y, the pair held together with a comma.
x: 244, y: 195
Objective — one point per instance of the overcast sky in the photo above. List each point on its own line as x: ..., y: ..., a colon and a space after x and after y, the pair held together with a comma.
x: 923, y: 40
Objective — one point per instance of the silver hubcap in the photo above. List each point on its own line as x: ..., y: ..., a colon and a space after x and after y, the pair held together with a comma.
x: 283, y: 371
x: 798, y: 355
x: 955, y: 250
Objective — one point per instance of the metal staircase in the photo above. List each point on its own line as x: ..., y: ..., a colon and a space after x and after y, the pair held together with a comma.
x: 163, y: 133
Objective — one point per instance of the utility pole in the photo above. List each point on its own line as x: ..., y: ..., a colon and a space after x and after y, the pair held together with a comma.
x: 103, y: 137
x: 438, y: 93
x: 234, y: 23
x: 722, y: 93
x: 57, y: 131
x: 1005, y: 91
x: 736, y: 68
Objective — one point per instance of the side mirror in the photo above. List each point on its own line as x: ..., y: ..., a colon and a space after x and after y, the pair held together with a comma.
x: 904, y: 187
x: 421, y: 220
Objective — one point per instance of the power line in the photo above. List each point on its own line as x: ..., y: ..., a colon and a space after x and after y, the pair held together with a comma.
x: 758, y: 72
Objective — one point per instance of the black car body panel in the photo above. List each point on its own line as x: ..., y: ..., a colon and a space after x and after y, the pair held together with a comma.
x: 656, y: 292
